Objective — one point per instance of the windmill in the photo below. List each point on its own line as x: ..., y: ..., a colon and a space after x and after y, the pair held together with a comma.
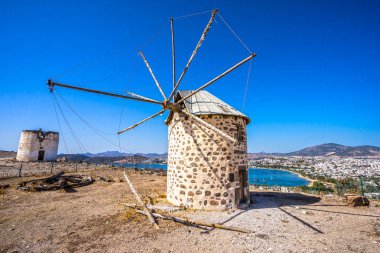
x: 185, y: 174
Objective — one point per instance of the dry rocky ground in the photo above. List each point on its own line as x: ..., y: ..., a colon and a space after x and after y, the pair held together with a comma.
x: 93, y: 219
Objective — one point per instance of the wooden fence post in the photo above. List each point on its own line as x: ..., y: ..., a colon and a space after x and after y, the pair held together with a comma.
x: 19, y: 172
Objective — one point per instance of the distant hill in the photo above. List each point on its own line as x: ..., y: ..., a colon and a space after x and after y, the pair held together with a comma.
x: 134, y: 159
x: 101, y: 159
x: 73, y: 157
x: 107, y: 154
x: 115, y: 156
x: 153, y: 155
x: 121, y: 154
x: 327, y: 149
x: 338, y: 150
x: 263, y: 154
x: 90, y: 159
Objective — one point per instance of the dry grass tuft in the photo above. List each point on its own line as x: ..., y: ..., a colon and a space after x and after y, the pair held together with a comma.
x: 162, y: 196
x: 131, y: 215
x: 157, y: 198
x: 2, y: 193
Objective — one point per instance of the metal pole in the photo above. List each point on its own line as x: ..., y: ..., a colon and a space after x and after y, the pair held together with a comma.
x: 173, y: 53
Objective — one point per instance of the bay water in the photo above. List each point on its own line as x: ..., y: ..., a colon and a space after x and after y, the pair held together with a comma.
x: 256, y: 176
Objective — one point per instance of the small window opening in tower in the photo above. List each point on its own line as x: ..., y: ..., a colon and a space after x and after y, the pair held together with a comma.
x: 240, y: 133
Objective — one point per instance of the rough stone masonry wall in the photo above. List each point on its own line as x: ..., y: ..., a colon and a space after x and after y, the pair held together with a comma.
x: 30, y: 145
x: 200, y: 160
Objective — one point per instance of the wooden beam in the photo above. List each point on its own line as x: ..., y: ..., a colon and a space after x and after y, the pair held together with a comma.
x: 140, y: 202
x: 51, y: 85
x: 136, y: 95
x: 152, y: 74
x: 197, y: 223
x: 218, y: 77
x: 207, y: 28
x: 169, y: 209
x: 139, y: 123
x: 173, y: 51
x: 208, y: 125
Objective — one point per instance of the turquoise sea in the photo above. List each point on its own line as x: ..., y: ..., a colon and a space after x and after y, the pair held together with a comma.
x: 272, y: 177
x: 256, y: 176
x: 143, y: 165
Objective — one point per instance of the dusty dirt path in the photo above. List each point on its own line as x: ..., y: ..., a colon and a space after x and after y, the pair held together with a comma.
x: 93, y: 219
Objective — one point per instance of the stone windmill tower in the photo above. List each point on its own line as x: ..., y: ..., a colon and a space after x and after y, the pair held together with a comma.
x: 207, y: 169
x: 207, y: 156
x: 36, y: 145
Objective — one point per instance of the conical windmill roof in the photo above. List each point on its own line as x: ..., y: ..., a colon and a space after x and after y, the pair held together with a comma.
x: 204, y: 103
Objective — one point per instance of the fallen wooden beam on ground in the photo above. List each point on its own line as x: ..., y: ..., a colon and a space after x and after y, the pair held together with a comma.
x: 194, y: 223
x: 169, y: 209
x: 56, y: 182
x: 140, y: 202
x: 4, y: 186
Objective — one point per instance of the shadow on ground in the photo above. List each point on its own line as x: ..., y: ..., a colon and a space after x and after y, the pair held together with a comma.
x: 279, y: 199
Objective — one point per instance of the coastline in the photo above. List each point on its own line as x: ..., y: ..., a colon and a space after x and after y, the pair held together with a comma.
x: 311, y: 181
x: 308, y: 179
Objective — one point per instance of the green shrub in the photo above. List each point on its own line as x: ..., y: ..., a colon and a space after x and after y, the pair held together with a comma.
x: 317, y: 187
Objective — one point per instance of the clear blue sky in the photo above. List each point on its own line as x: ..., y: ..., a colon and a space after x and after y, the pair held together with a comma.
x: 315, y: 78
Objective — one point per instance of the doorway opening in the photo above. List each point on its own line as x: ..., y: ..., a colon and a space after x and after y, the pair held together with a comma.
x: 41, y: 155
x: 243, y: 182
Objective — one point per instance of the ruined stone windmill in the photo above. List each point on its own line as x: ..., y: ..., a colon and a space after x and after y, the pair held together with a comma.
x: 207, y: 151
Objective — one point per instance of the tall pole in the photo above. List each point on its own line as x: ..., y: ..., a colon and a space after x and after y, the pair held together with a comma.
x: 173, y: 52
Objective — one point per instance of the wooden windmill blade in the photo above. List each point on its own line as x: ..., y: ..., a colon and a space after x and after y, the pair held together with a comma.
x: 138, y: 96
x: 144, y: 120
x: 166, y: 104
x: 152, y: 74
x: 189, y: 108
x: 51, y: 85
x: 208, y: 125
x: 218, y: 77
x: 207, y: 28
